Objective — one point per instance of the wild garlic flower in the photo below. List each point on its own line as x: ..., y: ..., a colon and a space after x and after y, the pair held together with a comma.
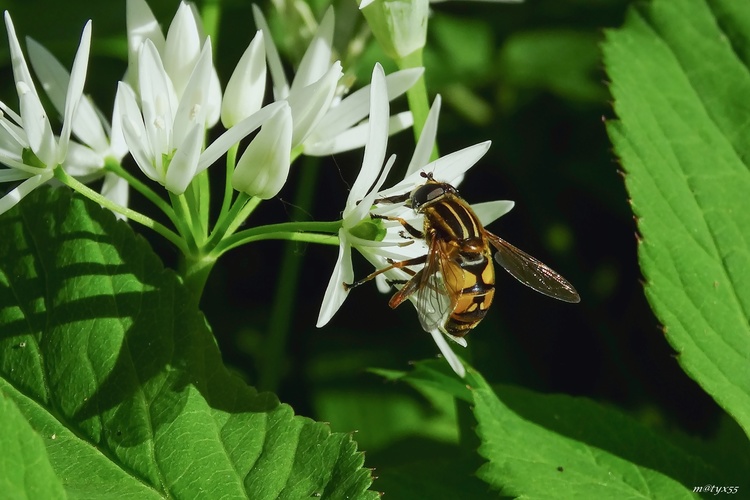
x: 27, y: 144
x: 323, y: 122
x: 96, y: 140
x: 379, y: 243
x: 180, y: 51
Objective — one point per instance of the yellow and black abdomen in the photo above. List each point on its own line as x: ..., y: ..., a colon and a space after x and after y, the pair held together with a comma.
x: 473, y: 283
x: 467, y: 269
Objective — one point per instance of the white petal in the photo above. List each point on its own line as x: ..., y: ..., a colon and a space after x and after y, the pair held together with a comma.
x: 141, y: 25
x: 12, y: 174
x: 280, y: 83
x: 117, y: 146
x: 213, y: 103
x: 363, y: 207
x: 355, y: 107
x: 365, y: 3
x: 426, y: 142
x: 75, y: 90
x: 448, y: 353
x: 446, y: 169
x: 335, y: 291
x: 158, y: 102
x: 82, y: 161
x: 236, y: 134
x: 377, y: 139
x: 309, y: 104
x: 134, y: 132
x: 34, y: 118
x: 183, y: 166
x: 247, y: 86
x: 489, y: 211
x: 182, y: 48
x: 117, y: 190
x: 14, y: 196
x: 193, y: 104
x: 264, y: 166
x: 317, y: 58
x: 355, y: 137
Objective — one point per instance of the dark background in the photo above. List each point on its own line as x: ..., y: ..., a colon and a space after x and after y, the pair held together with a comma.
x: 528, y: 77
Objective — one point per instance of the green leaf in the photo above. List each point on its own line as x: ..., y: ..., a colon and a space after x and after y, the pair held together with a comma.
x: 26, y: 468
x: 540, y: 445
x: 99, y: 349
x: 679, y: 72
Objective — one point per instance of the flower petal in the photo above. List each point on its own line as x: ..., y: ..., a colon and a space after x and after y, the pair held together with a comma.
x: 426, y: 142
x: 236, y: 134
x: 489, y: 211
x: 264, y: 166
x: 310, y: 103
x: 158, y: 103
x: 280, y: 83
x: 335, y: 291
x: 34, y: 118
x: 182, y: 48
x: 317, y: 58
x: 193, y: 104
x: 247, y: 86
x: 141, y: 25
x: 355, y: 107
x: 15, y: 195
x: 355, y: 137
x: 75, y: 90
x: 116, y: 189
x: 182, y: 168
x: 448, y: 353
x: 446, y: 169
x: 134, y: 132
x: 377, y: 140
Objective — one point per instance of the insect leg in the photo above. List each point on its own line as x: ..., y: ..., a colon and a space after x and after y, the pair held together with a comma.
x: 409, y: 288
x: 394, y: 265
x: 416, y: 233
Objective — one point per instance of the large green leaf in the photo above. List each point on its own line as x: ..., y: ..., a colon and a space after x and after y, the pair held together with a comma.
x: 553, y: 446
x: 680, y: 79
x: 103, y: 356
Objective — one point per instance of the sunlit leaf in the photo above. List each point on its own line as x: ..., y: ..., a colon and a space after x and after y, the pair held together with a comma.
x: 679, y: 72
x: 100, y: 348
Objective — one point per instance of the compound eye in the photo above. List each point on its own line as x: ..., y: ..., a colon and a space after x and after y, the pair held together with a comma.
x: 426, y: 194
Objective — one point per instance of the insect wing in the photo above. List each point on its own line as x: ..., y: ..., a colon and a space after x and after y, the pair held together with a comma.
x: 531, y: 272
x: 433, y: 302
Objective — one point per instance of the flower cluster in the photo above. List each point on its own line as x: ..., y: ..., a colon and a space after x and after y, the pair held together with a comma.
x: 171, y: 96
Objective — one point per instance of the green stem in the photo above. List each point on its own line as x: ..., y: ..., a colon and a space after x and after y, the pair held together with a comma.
x: 184, y: 222
x: 327, y: 235
x: 138, y: 217
x: 419, y: 103
x: 273, y: 360
x: 112, y: 165
x: 228, y: 191
x: 231, y: 220
x: 195, y: 270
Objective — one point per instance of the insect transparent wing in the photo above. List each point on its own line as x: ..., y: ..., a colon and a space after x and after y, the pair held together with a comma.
x: 531, y: 272
x: 433, y: 302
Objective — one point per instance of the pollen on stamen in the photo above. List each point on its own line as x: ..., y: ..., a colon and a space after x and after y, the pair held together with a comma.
x: 159, y: 123
x: 194, y: 111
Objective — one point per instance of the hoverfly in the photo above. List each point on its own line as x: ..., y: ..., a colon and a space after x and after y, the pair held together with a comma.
x: 455, y: 287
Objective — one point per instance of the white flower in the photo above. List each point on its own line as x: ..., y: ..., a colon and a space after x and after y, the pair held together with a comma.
x: 324, y: 124
x: 85, y: 159
x: 356, y: 218
x: 264, y: 166
x: 180, y: 51
x: 27, y: 144
x: 247, y: 85
x: 164, y: 133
